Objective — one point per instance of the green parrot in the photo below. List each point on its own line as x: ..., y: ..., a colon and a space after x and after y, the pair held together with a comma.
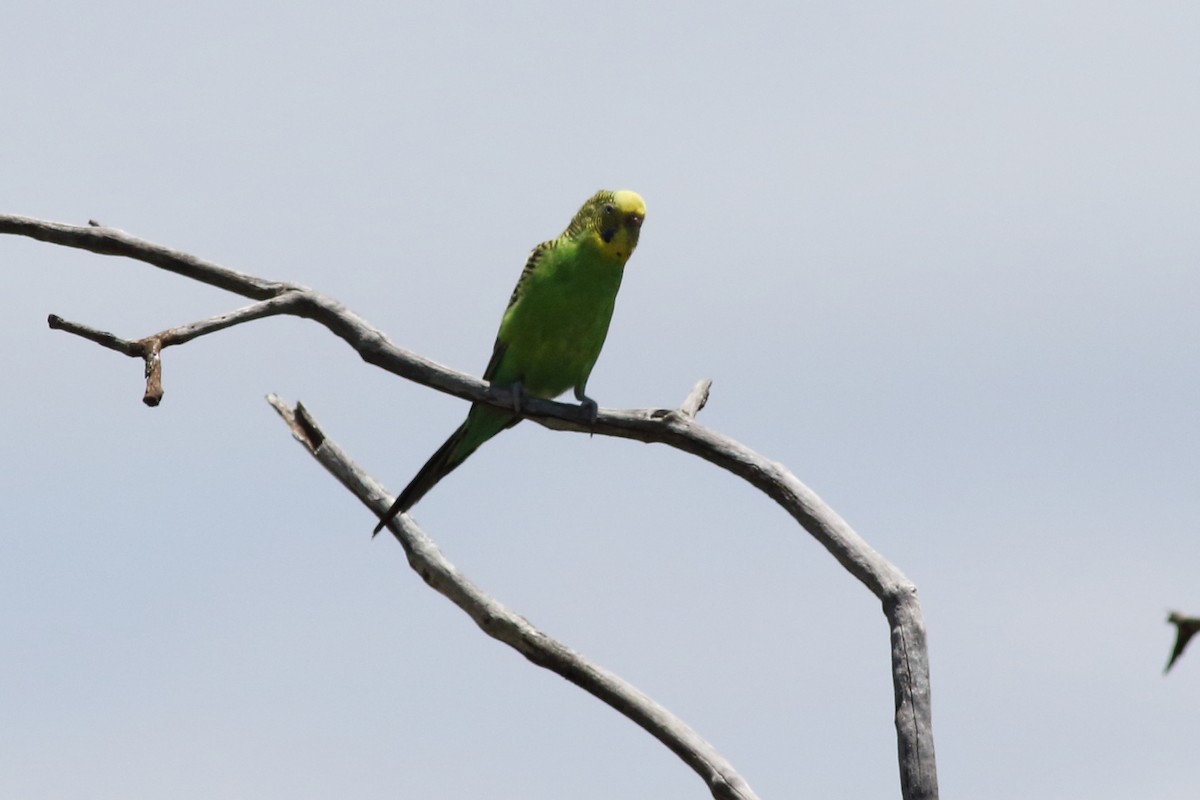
x: 552, y: 330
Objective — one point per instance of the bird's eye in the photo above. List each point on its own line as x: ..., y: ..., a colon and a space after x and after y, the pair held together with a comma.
x: 608, y: 209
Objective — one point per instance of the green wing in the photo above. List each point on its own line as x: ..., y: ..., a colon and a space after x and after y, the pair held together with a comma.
x: 499, y: 348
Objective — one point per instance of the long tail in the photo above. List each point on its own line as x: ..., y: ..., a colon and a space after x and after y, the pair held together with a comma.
x: 483, y: 422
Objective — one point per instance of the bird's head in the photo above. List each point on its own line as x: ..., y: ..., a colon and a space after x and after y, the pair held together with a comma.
x: 614, y: 219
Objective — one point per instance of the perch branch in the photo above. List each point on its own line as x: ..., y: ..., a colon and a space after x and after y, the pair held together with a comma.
x: 676, y: 428
x: 502, y: 624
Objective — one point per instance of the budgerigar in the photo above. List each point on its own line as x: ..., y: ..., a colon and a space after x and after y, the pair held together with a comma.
x: 552, y: 330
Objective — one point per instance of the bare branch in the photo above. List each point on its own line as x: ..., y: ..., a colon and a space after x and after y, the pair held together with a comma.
x: 102, y: 338
x: 499, y: 622
x: 145, y: 349
x: 149, y: 348
x: 112, y: 242
x: 281, y: 304
x: 676, y: 428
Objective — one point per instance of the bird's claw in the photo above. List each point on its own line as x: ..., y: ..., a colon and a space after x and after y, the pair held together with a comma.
x: 590, y: 409
x: 516, y: 393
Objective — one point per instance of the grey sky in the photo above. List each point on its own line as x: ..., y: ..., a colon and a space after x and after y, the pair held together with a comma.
x: 941, y: 259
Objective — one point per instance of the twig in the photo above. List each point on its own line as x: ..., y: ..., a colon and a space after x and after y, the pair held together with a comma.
x: 696, y: 399
x: 149, y: 348
x: 677, y: 428
x: 102, y: 338
x: 146, y: 349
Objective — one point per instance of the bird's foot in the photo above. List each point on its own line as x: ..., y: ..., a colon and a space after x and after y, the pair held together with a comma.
x: 515, y: 391
x: 590, y: 409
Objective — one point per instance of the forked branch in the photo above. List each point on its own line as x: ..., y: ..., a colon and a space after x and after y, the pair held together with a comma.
x: 674, y: 427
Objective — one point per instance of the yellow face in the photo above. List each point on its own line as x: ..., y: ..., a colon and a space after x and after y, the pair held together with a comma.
x: 620, y: 224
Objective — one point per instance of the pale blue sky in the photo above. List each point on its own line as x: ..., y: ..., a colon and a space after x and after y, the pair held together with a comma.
x: 940, y: 259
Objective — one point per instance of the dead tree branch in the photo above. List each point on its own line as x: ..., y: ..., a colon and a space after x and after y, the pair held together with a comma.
x: 674, y: 427
x: 497, y: 621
